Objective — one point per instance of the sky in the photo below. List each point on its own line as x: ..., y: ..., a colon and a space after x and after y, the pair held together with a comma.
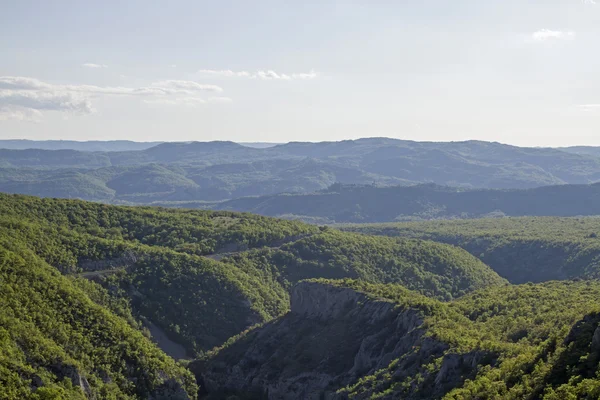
x: 518, y: 72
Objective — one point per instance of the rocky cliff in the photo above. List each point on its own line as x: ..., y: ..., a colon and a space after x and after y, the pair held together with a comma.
x: 332, y: 337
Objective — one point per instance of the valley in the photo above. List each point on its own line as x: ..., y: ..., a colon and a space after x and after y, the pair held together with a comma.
x: 389, y: 292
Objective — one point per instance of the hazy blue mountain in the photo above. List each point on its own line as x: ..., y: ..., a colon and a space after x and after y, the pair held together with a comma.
x: 588, y: 150
x: 259, y: 145
x: 223, y: 170
x: 91, y: 145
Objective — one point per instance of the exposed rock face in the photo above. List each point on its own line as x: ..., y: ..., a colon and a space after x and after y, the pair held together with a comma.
x: 62, y: 370
x: 127, y: 259
x: 332, y: 337
x: 169, y: 390
x: 595, y: 348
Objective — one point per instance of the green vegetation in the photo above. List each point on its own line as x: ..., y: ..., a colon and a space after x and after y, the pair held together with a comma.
x: 513, y: 342
x: 518, y: 249
x: 84, y: 287
x: 58, y: 344
x: 539, y: 335
x: 203, y: 276
x: 435, y: 270
x: 152, y: 259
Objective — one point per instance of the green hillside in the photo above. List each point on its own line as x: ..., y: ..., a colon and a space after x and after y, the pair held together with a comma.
x: 202, y: 277
x: 519, y: 249
x: 58, y: 344
x: 351, y: 339
x: 435, y: 270
x: 97, y: 301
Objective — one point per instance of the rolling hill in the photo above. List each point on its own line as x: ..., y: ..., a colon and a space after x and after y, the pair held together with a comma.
x: 97, y: 301
x: 202, y: 277
x: 217, y: 171
x: 519, y: 249
x: 364, y: 204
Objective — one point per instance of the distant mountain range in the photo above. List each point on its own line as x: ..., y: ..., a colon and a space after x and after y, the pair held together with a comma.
x: 91, y: 145
x: 143, y: 173
x: 96, y: 145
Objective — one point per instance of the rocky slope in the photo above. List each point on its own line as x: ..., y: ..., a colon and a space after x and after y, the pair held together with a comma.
x: 332, y: 337
x: 354, y: 340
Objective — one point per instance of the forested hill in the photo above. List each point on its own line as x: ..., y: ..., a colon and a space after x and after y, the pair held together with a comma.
x: 86, y: 288
x: 97, y: 301
x: 352, y: 203
x: 521, y: 250
x: 216, y: 171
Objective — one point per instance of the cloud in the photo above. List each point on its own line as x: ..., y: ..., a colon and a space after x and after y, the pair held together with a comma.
x: 220, y: 100
x: 225, y: 72
x: 20, y: 82
x: 24, y: 98
x: 262, y: 74
x: 19, y: 113
x: 182, y: 101
x: 185, y: 86
x: 92, y: 65
x: 188, y: 101
x: 306, y: 75
x: 589, y: 107
x: 590, y: 2
x: 45, y: 100
x: 546, y: 34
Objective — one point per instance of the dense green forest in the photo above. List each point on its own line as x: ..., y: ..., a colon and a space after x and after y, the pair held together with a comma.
x: 511, y: 342
x: 200, y: 277
x: 521, y: 250
x: 56, y: 343
x: 195, y: 173
x: 98, y: 301
x: 439, y: 271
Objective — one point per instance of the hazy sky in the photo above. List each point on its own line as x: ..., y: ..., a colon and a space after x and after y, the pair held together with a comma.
x: 519, y: 72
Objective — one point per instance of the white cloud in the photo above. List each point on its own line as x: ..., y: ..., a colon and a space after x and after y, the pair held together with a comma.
x: 270, y: 74
x: 219, y: 100
x: 306, y: 75
x: 19, y: 113
x: 46, y: 100
x: 20, y: 82
x: 181, y: 101
x: 262, y: 74
x: 188, y: 101
x: 92, y: 65
x: 589, y: 107
x: 546, y: 34
x: 225, y: 72
x: 185, y: 86
x: 24, y: 98
x: 591, y: 2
